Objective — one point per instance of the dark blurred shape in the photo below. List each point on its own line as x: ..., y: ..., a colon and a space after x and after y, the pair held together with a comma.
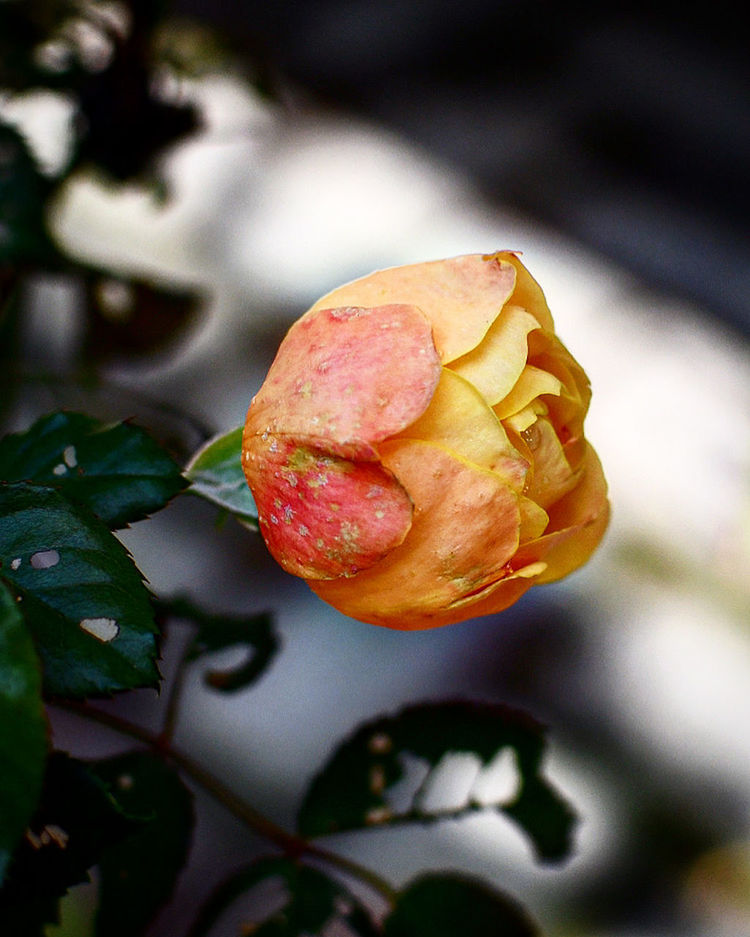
x: 130, y: 317
x: 104, y: 57
x: 623, y: 125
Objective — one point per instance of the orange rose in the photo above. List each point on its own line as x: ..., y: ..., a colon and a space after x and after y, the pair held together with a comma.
x: 416, y: 452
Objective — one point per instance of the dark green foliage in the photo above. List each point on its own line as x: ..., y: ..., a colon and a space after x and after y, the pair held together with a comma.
x: 23, y: 191
x: 75, y: 821
x: 442, y: 905
x: 311, y: 900
x: 23, y: 727
x: 351, y: 790
x: 117, y: 471
x: 216, y: 632
x: 137, y: 874
x: 81, y: 596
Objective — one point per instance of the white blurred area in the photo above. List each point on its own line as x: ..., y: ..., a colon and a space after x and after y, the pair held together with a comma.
x: 272, y: 208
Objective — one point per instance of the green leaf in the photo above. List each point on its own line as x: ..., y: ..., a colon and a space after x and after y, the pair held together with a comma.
x: 79, y: 592
x: 75, y: 821
x: 217, y: 632
x: 312, y: 901
x: 117, y: 471
x: 352, y: 790
x: 215, y: 473
x: 138, y: 873
x: 23, y: 728
x: 442, y: 905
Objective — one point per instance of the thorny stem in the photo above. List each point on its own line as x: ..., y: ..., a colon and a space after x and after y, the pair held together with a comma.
x: 291, y: 845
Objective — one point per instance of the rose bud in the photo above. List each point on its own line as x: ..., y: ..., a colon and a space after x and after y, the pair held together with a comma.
x: 416, y: 452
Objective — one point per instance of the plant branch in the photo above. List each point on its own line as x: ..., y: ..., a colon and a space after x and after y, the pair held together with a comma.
x: 292, y: 845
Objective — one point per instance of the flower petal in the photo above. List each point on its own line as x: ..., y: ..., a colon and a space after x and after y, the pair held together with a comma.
x: 498, y: 596
x: 444, y: 558
x: 461, y: 296
x: 552, y: 475
x: 459, y: 419
x: 322, y: 516
x: 498, y: 362
x: 531, y: 384
x: 527, y: 292
x: 577, y: 524
x: 348, y: 377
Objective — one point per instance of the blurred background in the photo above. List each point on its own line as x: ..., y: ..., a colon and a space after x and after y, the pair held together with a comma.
x: 248, y: 157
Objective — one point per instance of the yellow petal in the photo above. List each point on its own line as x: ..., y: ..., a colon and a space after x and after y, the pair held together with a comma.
x: 534, y: 520
x: 551, y: 476
x: 569, y: 408
x: 498, y: 362
x: 459, y: 419
x: 461, y: 296
x: 348, y: 377
x: 527, y: 292
x: 464, y: 532
x: 577, y: 524
x: 522, y: 421
x: 531, y: 384
x: 323, y: 516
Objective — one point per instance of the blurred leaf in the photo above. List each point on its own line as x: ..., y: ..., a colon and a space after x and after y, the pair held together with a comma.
x: 23, y: 191
x: 10, y: 320
x: 25, y: 26
x: 117, y: 470
x: 106, y: 61
x: 137, y: 874
x: 215, y: 473
x: 217, y: 632
x: 443, y: 905
x: 134, y: 317
x: 312, y: 901
x: 350, y: 792
x: 75, y: 821
x: 80, y: 594
x: 127, y: 126
x: 23, y: 727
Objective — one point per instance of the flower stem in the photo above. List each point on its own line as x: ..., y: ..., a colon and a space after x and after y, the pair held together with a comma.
x: 292, y: 845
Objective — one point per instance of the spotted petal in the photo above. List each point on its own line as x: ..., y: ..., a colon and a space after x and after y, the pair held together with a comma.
x: 443, y: 558
x: 461, y: 296
x: 348, y: 377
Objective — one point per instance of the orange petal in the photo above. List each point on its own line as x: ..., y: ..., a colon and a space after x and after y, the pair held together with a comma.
x: 348, y: 377
x: 496, y: 597
x: 459, y: 419
x: 461, y: 296
x: 323, y: 516
x: 498, y: 362
x: 527, y: 292
x: 464, y: 532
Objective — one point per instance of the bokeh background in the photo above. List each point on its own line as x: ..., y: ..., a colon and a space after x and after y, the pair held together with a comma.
x: 610, y: 145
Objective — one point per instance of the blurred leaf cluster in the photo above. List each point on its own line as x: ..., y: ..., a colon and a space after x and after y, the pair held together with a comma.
x: 112, y: 64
